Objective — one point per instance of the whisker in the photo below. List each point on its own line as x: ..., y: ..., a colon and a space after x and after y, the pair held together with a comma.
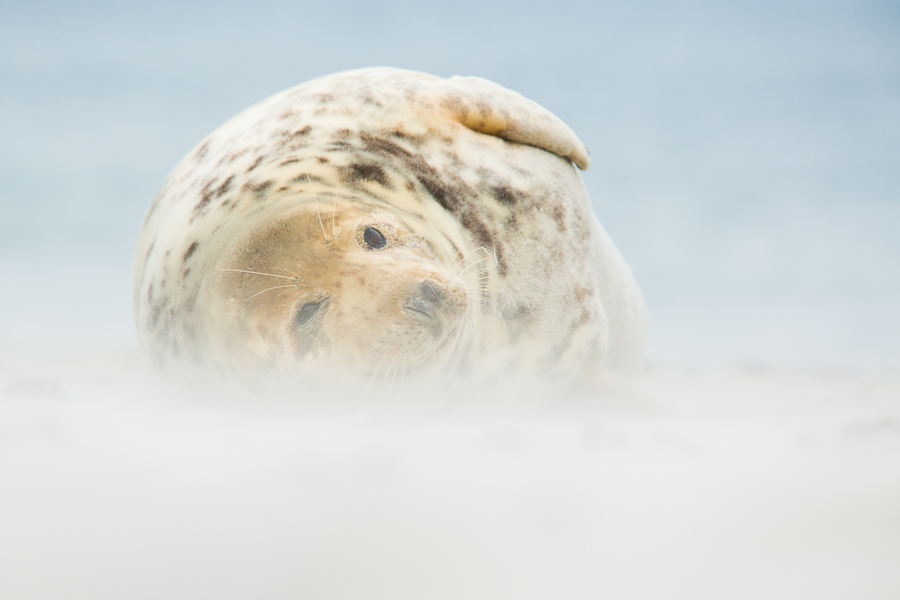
x: 318, y: 214
x: 461, y: 256
x: 466, y: 257
x: 300, y: 277
x: 375, y: 372
x: 341, y: 224
x: 277, y: 287
x: 357, y: 371
x: 474, y: 264
x: 258, y: 273
x: 333, y: 210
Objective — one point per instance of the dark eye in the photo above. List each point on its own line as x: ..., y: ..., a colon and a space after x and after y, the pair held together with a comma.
x: 306, y: 312
x: 373, y: 238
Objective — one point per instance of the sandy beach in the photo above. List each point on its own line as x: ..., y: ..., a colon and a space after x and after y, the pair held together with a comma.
x: 743, y: 483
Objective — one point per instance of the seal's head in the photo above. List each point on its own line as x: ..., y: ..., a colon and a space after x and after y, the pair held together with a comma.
x: 354, y: 291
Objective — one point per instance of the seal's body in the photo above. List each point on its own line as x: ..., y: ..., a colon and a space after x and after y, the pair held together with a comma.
x: 382, y: 225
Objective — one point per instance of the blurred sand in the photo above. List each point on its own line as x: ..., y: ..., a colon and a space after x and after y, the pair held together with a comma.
x: 748, y: 483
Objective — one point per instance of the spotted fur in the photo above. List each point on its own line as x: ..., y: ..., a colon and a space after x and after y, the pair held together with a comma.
x: 485, y: 178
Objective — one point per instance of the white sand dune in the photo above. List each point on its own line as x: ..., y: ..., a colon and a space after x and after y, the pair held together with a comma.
x: 750, y: 483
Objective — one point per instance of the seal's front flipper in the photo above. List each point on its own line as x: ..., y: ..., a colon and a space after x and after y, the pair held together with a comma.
x: 489, y: 108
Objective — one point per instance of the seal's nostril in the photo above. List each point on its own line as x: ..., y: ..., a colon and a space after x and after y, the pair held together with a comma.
x: 430, y: 294
x: 425, y: 305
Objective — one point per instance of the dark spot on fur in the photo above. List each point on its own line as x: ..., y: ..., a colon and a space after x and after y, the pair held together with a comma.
x: 519, y: 319
x: 259, y: 190
x: 384, y: 147
x: 283, y: 188
x: 185, y: 273
x: 202, y: 150
x: 226, y: 185
x: 201, y: 206
x: 154, y: 316
x: 289, y: 161
x: 255, y: 164
x: 368, y: 98
x: 302, y: 131
x: 583, y: 318
x: 322, y: 160
x: 190, y: 251
x: 360, y: 173
x: 504, y: 195
x: 236, y: 155
x: 401, y: 135
x: 443, y: 196
x: 582, y: 293
x: 307, y: 178
x: 149, y: 251
x: 150, y: 293
x: 410, y: 186
x: 559, y: 215
x: 325, y: 98
x: 342, y: 133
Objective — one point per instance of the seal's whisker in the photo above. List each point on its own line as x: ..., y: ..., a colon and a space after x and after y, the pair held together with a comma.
x: 357, y: 371
x: 386, y: 376
x: 266, y: 274
x: 333, y: 211
x: 456, y: 269
x: 340, y: 225
x: 300, y: 277
x: 364, y: 361
x: 277, y: 287
x: 480, y: 274
x: 396, y: 372
x: 375, y: 372
x: 479, y: 293
x: 461, y: 256
x: 318, y: 214
x: 477, y: 281
x: 456, y: 343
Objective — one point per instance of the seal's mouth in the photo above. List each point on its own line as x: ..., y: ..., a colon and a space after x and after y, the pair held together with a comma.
x: 420, y: 312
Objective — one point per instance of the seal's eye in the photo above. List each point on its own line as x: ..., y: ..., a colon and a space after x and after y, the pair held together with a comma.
x: 306, y: 312
x: 373, y: 238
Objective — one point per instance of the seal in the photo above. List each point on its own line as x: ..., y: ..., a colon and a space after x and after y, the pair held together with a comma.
x: 386, y: 225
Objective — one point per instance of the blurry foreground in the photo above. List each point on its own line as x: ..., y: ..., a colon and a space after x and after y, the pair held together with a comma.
x: 728, y: 484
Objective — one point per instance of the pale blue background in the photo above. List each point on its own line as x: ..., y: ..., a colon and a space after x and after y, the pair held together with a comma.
x: 746, y: 154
